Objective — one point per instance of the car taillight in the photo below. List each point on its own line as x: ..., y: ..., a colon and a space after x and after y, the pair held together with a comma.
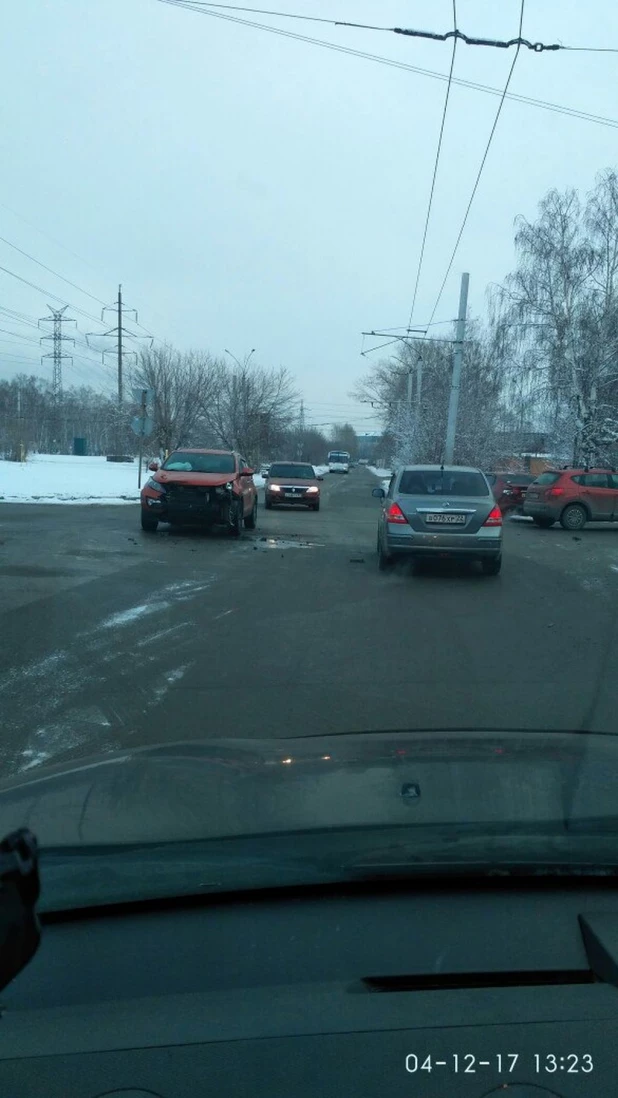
x: 555, y: 492
x: 494, y: 518
x: 395, y: 514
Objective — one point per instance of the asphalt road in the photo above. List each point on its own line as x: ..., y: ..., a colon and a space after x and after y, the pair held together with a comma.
x: 112, y: 638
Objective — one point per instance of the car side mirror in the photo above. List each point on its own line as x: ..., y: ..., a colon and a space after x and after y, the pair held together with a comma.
x: 154, y: 465
x: 247, y: 472
x: 320, y: 478
x: 379, y: 492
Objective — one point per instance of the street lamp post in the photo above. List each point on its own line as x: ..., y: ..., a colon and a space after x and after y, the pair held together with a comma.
x: 247, y: 358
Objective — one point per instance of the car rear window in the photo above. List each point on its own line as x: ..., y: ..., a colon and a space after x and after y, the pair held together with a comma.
x: 430, y: 482
x: 548, y: 478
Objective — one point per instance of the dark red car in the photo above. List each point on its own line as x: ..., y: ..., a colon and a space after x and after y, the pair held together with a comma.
x: 509, y: 490
x: 200, y: 487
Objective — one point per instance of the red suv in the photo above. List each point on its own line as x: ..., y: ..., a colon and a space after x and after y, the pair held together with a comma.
x: 573, y: 497
x: 200, y: 487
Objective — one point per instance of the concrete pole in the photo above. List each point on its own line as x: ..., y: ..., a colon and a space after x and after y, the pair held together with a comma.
x: 451, y: 427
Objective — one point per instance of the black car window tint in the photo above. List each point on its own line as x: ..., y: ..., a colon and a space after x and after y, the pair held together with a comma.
x: 595, y: 480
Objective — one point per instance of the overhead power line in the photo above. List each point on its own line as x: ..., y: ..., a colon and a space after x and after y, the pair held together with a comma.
x: 51, y: 271
x: 75, y: 308
x: 57, y: 273
x: 434, y: 36
x: 42, y: 290
x: 435, y: 168
x: 482, y: 165
x: 556, y: 108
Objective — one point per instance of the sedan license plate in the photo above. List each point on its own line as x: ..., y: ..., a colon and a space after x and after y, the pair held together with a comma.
x: 291, y: 495
x: 446, y: 519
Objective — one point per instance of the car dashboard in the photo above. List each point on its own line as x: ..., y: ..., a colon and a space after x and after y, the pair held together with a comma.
x: 423, y: 991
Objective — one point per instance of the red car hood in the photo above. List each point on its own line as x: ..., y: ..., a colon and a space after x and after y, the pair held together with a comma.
x: 206, y: 480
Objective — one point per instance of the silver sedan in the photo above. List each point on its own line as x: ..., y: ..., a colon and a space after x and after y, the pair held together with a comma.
x: 440, y: 511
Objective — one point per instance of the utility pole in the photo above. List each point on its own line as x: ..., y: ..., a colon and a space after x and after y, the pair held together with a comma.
x: 449, y: 448
x: 409, y: 395
x: 58, y: 319
x: 118, y: 333
x: 20, y: 432
x: 119, y: 352
x: 301, y: 431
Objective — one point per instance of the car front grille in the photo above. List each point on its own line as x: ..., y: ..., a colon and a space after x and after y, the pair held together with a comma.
x: 187, y: 494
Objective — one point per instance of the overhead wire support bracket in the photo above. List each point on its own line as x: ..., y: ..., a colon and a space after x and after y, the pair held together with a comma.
x: 536, y: 47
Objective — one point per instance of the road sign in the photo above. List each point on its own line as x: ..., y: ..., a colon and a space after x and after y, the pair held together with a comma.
x: 142, y: 426
x: 143, y: 396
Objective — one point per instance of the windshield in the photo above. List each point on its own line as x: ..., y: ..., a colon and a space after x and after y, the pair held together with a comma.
x: 302, y: 472
x: 183, y: 462
x: 366, y: 265
x: 419, y: 482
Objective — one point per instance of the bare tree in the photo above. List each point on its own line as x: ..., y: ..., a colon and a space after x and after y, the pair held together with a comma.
x: 250, y: 407
x: 185, y: 385
x: 344, y: 437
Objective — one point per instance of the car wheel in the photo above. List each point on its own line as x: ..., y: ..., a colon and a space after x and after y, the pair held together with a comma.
x: 251, y: 520
x: 236, y: 518
x: 316, y: 506
x: 492, y: 566
x: 573, y: 517
x: 268, y: 505
x: 149, y: 524
x: 384, y: 559
x: 544, y: 523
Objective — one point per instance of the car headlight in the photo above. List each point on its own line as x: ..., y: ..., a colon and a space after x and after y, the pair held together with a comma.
x: 274, y: 487
x: 155, y: 485
x: 313, y: 489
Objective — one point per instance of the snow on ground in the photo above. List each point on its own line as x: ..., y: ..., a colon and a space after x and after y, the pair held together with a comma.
x: 63, y: 478
x: 384, y: 475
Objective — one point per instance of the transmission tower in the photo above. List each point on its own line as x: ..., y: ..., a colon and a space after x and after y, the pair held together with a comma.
x: 57, y: 319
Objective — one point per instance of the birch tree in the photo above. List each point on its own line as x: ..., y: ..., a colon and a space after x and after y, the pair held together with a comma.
x: 559, y: 307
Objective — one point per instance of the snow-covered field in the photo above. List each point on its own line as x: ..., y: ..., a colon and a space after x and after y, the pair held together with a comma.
x: 63, y: 478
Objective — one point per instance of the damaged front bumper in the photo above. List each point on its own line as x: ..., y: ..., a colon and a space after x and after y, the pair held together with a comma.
x: 192, y: 505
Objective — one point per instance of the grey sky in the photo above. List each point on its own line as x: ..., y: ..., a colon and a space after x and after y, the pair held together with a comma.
x: 254, y: 191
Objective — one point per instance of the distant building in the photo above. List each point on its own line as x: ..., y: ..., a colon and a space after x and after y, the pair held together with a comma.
x: 367, y: 444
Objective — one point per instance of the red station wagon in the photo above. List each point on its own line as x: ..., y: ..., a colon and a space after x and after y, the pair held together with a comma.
x: 573, y: 497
